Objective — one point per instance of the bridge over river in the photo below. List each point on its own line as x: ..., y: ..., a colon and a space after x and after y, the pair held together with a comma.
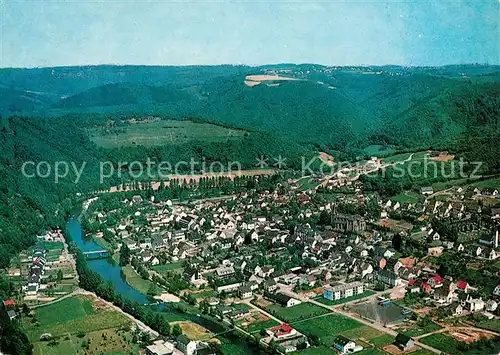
x: 97, y: 254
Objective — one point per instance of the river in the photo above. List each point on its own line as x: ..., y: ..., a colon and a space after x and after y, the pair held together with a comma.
x: 110, y: 271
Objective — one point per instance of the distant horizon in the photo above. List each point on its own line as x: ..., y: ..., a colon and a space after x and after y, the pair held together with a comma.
x: 253, y: 65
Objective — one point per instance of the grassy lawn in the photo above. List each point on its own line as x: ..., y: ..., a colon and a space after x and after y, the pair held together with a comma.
x: 135, y: 280
x: 491, y: 324
x: 327, y: 328
x: 242, y: 307
x: 422, y: 352
x: 232, y: 349
x: 64, y: 311
x: 417, y: 330
x: 258, y: 326
x: 409, y: 196
x: 51, y: 245
x: 163, y: 132
x: 71, y: 316
x: 382, y: 340
x: 490, y: 183
x: 104, y: 243
x: 318, y: 350
x: 397, y: 158
x: 193, y: 331
x: 292, y: 314
x: 442, y: 342
x: 328, y: 302
x: 446, y: 343
x: 306, y: 183
x: 204, y: 294
x: 364, y: 332
x: 378, y: 150
x: 60, y: 287
x: 167, y: 268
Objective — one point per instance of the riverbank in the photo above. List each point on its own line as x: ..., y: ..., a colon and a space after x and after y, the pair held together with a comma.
x: 146, y: 287
x: 122, y: 294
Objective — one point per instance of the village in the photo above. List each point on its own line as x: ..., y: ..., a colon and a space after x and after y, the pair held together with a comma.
x: 331, y: 267
x: 306, y: 265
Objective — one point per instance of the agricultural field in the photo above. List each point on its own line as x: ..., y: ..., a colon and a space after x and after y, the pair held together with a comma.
x: 328, y: 302
x: 301, y: 311
x: 161, y: 132
x: 78, y: 321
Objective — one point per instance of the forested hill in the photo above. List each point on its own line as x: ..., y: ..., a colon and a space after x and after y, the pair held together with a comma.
x: 331, y: 107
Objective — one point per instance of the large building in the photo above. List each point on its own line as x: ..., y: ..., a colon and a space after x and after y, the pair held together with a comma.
x: 389, y: 277
x: 347, y: 222
x: 339, y: 292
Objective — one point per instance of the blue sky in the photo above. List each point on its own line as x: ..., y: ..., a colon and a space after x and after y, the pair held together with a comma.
x: 51, y: 33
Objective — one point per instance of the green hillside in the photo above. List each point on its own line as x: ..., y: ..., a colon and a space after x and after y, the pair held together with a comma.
x: 124, y: 94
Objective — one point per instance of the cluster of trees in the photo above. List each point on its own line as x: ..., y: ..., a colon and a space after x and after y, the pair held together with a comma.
x: 92, y: 281
x: 141, y: 270
x: 12, y: 339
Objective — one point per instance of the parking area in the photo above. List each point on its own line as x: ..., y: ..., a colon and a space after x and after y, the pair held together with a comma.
x: 387, y: 314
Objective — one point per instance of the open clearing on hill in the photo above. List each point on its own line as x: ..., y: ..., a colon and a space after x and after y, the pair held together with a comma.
x: 444, y: 158
x: 253, y: 80
x: 327, y: 159
x: 161, y: 132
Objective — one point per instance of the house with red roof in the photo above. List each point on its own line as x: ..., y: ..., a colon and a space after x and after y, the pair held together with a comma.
x: 435, y: 281
x: 9, y: 303
x: 303, y: 199
x: 463, y: 285
x: 282, y: 331
x: 426, y: 287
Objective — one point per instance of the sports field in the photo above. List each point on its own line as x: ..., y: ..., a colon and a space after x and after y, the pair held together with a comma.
x: 292, y: 314
x: 326, y: 328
